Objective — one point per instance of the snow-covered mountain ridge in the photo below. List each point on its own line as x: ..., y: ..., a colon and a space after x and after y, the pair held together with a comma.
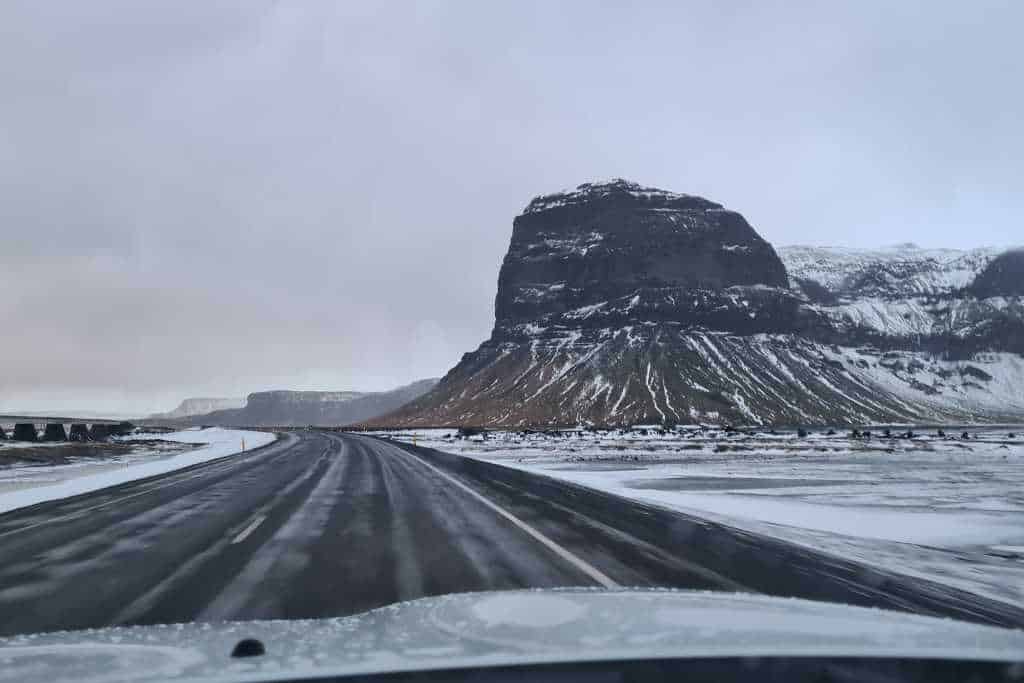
x: 901, y: 295
x: 619, y: 304
x: 897, y: 271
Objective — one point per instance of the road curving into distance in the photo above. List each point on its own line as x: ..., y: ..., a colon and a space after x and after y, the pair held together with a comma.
x: 324, y: 524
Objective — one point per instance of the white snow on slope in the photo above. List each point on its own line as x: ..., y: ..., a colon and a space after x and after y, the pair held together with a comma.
x: 903, y: 374
x: 935, y: 271
x: 901, y: 318
x: 599, y: 188
x: 213, y: 443
x: 200, y: 406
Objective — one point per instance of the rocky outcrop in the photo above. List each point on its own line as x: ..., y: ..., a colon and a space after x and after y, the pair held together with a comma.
x: 298, y: 407
x: 605, y: 254
x: 622, y: 304
x: 1002, y: 277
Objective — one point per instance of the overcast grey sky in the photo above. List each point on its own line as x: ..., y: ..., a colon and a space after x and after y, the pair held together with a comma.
x: 211, y: 198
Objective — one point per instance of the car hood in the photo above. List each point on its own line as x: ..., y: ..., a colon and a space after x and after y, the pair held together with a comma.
x: 502, y: 628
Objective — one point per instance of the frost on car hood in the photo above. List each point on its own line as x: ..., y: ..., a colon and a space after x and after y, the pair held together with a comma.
x: 502, y: 628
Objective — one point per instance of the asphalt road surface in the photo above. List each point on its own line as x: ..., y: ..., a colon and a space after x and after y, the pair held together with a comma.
x: 325, y: 524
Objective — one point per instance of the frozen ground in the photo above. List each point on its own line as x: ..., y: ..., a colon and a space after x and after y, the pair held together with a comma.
x: 950, y: 510
x: 26, y: 484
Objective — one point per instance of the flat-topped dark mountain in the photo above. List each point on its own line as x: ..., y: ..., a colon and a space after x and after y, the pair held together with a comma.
x: 317, y: 408
x: 624, y: 304
x: 199, y: 406
x: 581, y: 254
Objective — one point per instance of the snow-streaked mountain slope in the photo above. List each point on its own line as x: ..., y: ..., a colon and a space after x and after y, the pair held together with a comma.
x: 663, y: 375
x: 898, y: 271
x: 904, y: 296
x: 622, y: 304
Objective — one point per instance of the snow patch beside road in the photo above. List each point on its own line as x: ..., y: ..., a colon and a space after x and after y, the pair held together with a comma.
x: 212, y: 443
x: 947, y: 510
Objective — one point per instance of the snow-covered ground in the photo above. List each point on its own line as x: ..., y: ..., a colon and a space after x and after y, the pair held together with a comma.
x: 950, y: 510
x: 24, y: 485
x: 921, y: 271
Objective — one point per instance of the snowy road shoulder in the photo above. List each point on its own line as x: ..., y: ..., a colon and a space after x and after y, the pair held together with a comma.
x: 950, y: 511
x: 211, y: 444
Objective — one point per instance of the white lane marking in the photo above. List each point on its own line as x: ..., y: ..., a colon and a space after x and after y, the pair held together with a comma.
x: 585, y: 567
x: 249, y: 529
x: 145, y: 602
x: 281, y: 557
x: 219, y: 465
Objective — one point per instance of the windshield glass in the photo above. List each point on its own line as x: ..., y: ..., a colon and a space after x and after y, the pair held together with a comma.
x: 310, y: 309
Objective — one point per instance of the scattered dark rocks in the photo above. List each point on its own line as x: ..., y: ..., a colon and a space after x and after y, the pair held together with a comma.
x: 248, y: 647
x: 466, y: 432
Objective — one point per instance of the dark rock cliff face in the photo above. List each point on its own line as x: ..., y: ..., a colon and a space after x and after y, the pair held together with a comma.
x: 1004, y: 276
x: 623, y: 304
x: 605, y: 254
